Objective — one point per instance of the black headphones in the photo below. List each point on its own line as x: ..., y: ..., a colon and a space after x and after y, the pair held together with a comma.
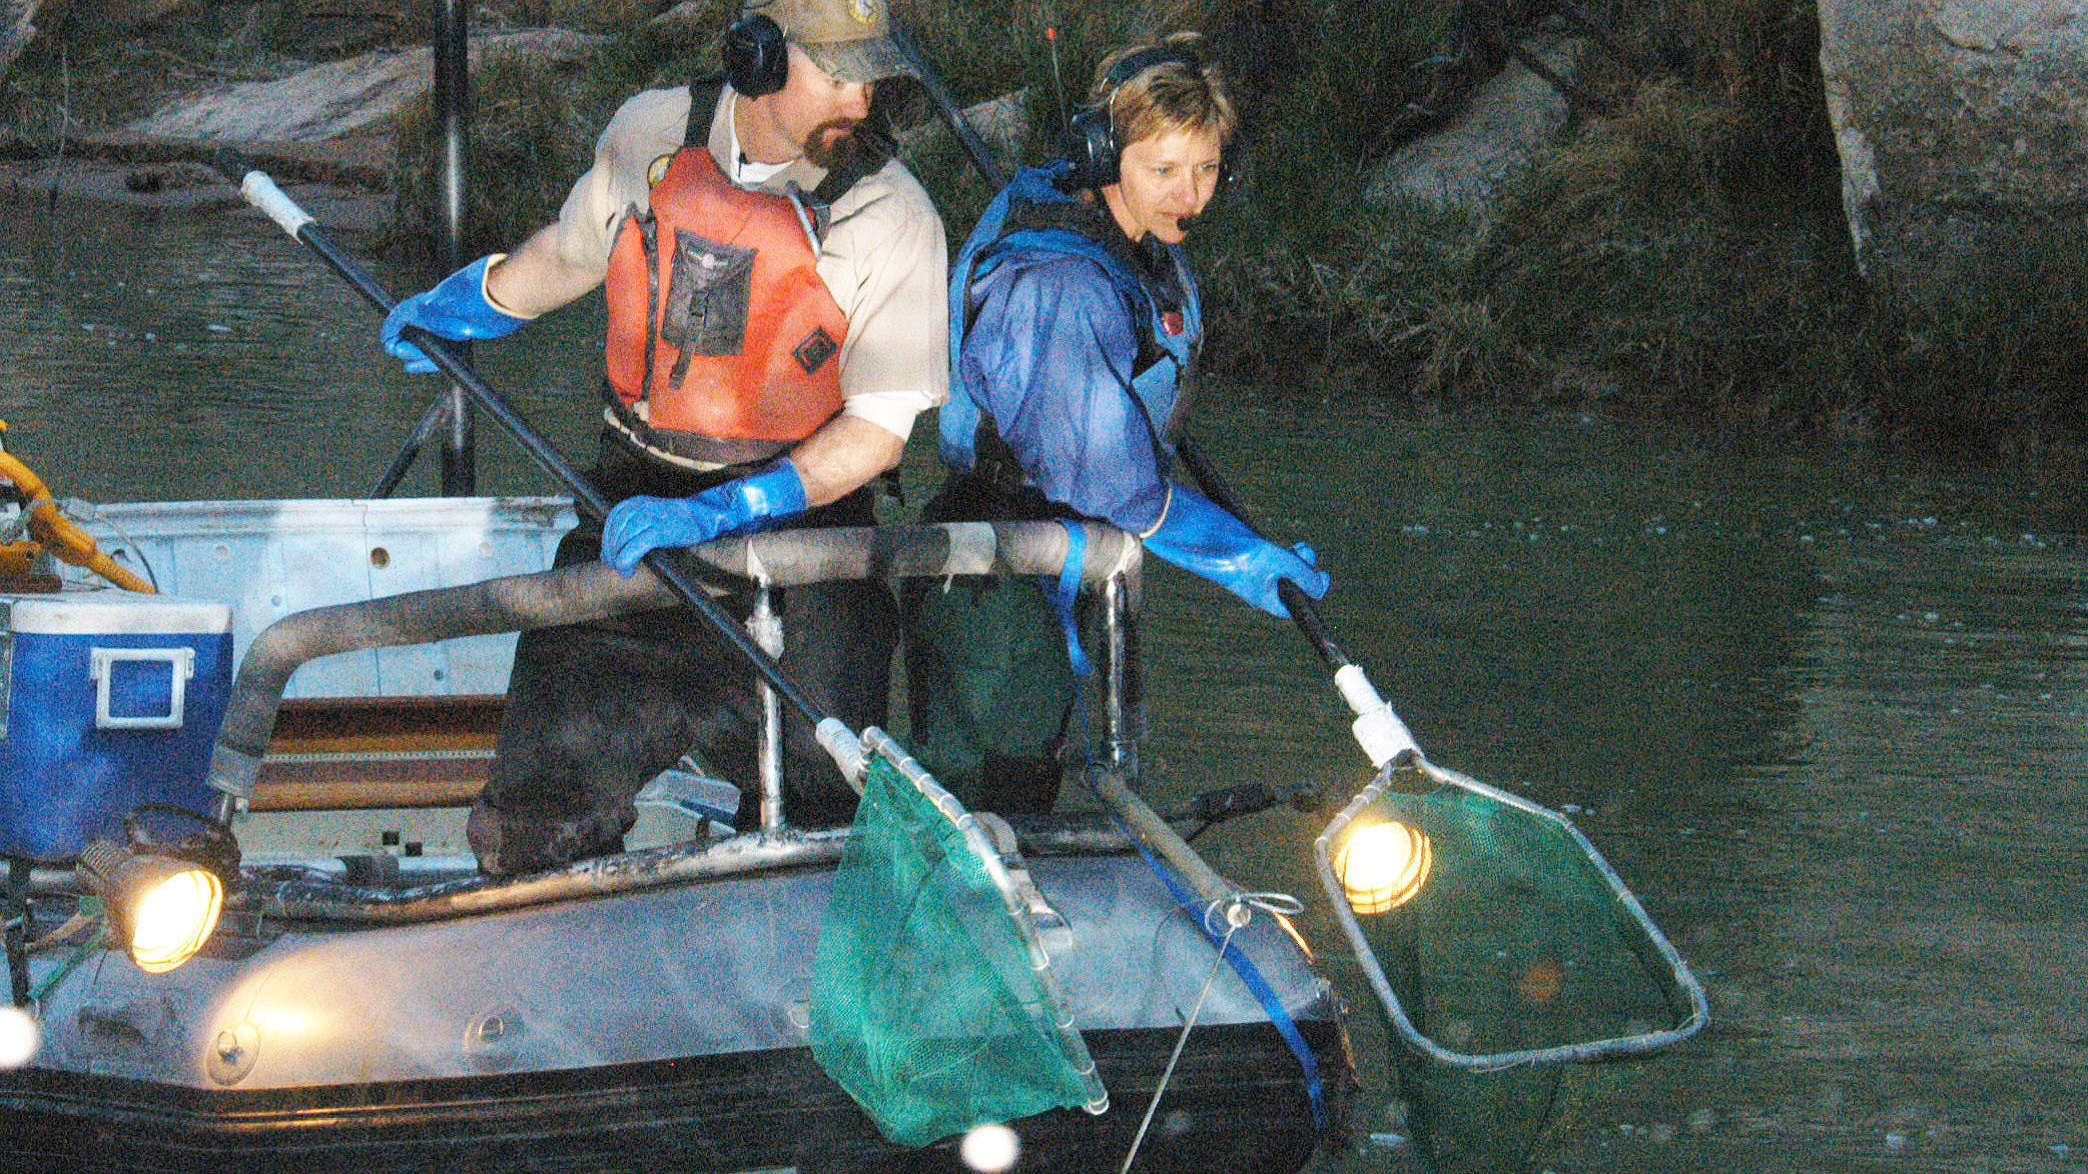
x: 756, y: 55
x: 1091, y: 132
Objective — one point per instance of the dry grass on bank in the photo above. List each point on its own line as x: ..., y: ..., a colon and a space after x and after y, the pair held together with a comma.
x: 1683, y: 258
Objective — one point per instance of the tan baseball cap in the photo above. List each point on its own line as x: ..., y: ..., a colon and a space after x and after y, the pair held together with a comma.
x: 850, y: 39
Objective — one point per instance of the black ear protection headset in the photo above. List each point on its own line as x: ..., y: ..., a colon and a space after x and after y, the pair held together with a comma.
x: 1091, y: 132
x: 756, y: 56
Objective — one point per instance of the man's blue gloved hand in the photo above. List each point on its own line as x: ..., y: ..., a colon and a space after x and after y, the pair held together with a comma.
x: 1197, y: 536
x: 639, y: 525
x: 456, y: 309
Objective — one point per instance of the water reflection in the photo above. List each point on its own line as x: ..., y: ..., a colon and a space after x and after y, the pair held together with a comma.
x: 1825, y: 717
x: 182, y: 357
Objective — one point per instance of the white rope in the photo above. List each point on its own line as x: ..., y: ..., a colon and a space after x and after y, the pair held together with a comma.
x: 1239, y: 910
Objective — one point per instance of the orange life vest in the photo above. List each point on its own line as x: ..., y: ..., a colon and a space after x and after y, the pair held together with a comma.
x: 717, y: 317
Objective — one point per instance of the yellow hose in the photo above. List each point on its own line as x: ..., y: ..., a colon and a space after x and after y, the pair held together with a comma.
x: 61, y: 535
x: 18, y: 558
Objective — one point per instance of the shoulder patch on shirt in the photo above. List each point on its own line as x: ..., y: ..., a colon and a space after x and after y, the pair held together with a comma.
x: 658, y: 171
x: 815, y: 350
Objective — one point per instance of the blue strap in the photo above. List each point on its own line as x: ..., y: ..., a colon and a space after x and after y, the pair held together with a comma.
x: 1064, y: 590
x: 1251, y: 975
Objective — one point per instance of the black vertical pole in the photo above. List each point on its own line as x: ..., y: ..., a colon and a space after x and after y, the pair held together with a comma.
x: 453, y: 105
x: 17, y: 905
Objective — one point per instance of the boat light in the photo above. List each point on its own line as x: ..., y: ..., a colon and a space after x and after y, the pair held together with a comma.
x: 161, y: 909
x: 1383, y: 866
x: 19, y: 1037
x: 990, y: 1149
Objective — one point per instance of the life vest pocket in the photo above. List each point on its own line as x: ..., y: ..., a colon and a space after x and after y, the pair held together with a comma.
x: 707, y: 299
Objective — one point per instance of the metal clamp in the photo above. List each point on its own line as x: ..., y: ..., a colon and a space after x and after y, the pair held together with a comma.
x: 181, y: 665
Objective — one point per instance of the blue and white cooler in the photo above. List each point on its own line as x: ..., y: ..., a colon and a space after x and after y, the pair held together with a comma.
x: 108, y: 700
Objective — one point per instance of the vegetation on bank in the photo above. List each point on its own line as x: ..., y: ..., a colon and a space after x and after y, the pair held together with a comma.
x: 1681, y: 257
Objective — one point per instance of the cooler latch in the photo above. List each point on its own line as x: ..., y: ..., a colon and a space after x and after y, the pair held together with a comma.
x: 101, y: 666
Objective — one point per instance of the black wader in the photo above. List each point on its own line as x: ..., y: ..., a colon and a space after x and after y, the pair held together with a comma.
x: 594, y: 711
x: 990, y: 689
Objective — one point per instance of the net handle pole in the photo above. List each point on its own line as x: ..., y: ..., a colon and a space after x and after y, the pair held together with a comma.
x: 1303, y: 611
x: 1377, y: 728
x: 1161, y: 837
x: 263, y: 193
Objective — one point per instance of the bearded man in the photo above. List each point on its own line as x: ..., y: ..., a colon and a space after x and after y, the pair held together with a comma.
x: 775, y: 286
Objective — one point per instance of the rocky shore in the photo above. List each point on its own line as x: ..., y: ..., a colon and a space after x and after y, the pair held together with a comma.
x: 329, y: 128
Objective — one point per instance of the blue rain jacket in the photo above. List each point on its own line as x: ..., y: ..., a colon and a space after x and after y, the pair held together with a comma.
x: 1046, y: 328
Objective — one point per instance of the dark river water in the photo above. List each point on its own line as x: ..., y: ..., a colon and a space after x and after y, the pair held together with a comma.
x: 1823, y: 710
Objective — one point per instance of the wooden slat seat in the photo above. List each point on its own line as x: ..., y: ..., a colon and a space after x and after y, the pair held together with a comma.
x: 378, y: 752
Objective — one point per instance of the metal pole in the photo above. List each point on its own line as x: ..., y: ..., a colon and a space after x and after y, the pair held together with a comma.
x: 453, y: 103
x: 17, y: 913
x: 435, y: 417
x: 1123, y: 700
x: 767, y: 629
x: 1160, y: 836
x: 1303, y: 611
x: 975, y: 148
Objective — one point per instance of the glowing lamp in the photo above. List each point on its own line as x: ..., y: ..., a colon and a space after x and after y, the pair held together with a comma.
x: 1383, y: 866
x: 19, y: 1037
x: 990, y: 1149
x: 161, y: 909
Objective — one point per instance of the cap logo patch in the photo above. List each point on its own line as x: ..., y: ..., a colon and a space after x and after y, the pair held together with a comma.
x: 864, y: 11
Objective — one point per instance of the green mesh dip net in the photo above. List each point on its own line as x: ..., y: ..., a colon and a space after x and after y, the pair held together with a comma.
x: 1502, y: 948
x: 933, y: 1001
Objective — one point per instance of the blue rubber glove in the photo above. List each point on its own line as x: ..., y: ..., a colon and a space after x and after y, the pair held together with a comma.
x: 639, y: 525
x: 456, y: 309
x: 1199, y: 537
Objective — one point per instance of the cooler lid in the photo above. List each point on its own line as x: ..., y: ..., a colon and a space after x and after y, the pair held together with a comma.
x: 102, y: 611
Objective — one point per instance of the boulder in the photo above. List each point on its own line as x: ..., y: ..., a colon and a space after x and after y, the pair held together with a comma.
x: 1001, y: 123
x: 1962, y: 127
x: 123, y: 13
x: 1497, y: 135
x: 331, y: 100
x: 689, y: 19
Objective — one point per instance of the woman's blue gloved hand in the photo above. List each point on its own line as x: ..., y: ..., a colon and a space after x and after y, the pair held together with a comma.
x: 1198, y: 536
x: 456, y: 309
x: 640, y: 525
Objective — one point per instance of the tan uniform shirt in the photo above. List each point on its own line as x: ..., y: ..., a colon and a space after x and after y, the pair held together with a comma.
x: 883, y: 257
